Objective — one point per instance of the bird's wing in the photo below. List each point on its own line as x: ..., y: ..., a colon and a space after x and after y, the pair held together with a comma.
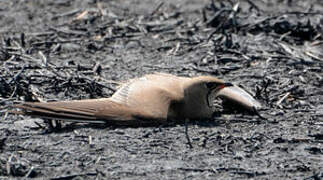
x: 151, y: 94
x: 236, y: 95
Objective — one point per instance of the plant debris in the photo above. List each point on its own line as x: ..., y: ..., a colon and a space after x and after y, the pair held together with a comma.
x: 64, y: 50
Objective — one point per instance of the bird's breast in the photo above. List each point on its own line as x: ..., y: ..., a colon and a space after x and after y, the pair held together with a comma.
x: 188, y: 111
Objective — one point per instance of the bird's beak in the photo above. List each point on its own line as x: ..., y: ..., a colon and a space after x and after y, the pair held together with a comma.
x: 213, y: 93
x: 238, y: 96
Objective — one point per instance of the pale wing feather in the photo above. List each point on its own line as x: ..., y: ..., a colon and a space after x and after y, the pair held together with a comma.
x: 152, y: 94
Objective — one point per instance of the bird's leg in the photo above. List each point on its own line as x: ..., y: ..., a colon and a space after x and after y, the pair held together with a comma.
x: 186, y: 134
x: 258, y: 114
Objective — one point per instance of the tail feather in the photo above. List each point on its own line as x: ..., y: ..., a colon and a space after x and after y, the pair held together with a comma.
x: 83, y: 111
x: 58, y: 113
x: 50, y: 109
x: 88, y: 111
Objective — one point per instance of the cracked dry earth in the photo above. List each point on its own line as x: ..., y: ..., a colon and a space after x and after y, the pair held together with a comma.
x: 59, y: 50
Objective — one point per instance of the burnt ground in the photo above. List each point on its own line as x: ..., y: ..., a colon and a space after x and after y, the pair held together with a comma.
x: 62, y: 49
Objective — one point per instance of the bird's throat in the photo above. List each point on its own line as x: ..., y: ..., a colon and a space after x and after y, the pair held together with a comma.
x: 210, y: 97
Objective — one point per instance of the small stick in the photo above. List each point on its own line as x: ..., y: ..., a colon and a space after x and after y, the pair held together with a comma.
x: 90, y: 141
x: 157, y: 8
x: 282, y: 99
x: 43, y: 58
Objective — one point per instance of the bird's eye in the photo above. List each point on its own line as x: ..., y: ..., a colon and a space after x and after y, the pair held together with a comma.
x: 210, y: 85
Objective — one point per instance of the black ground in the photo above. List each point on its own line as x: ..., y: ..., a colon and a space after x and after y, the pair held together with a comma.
x: 62, y: 49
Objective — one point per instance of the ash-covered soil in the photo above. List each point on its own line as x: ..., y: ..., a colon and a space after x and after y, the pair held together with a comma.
x: 62, y: 50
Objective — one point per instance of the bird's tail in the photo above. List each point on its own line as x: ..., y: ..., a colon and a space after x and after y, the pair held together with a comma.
x: 83, y: 111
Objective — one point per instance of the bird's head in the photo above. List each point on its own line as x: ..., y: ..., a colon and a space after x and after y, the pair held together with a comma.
x: 204, y: 88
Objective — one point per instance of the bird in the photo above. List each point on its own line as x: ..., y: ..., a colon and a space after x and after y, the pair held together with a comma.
x: 151, y: 99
